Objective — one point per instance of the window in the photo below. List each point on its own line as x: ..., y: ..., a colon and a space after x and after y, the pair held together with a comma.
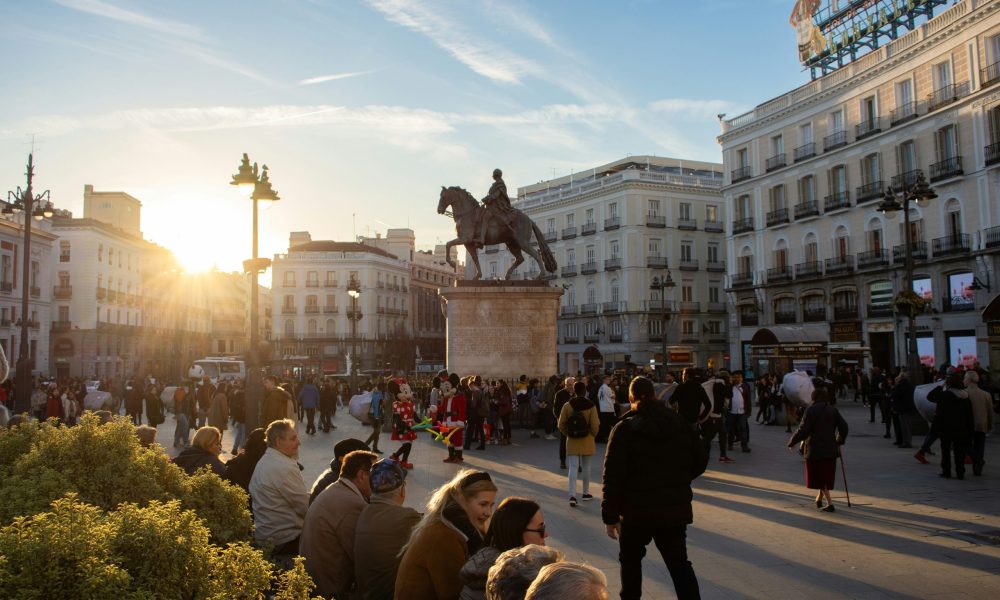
x: 875, y: 241
x: 713, y: 292
x: 942, y: 75
x: 870, y: 172
x: 655, y: 327
x: 612, y: 210
x: 811, y: 248
x: 571, y: 296
x: 954, y: 223
x: 841, y: 244
x: 838, y: 179
x: 836, y: 121
x: 654, y: 208
x: 713, y: 253
x: 572, y: 330
x: 289, y: 279
x: 712, y: 213
x: 289, y: 301
x: 591, y: 293
x: 312, y: 302
x: 778, y: 198
x: 615, y: 291
x: 686, y: 251
x: 869, y: 112
x: 311, y: 327
x: 743, y: 208
x: 904, y: 94
x: 64, y: 251
x: 589, y: 216
x: 742, y: 158
x: 807, y: 189
x: 946, y: 143
x: 100, y: 252
x: 746, y: 263
x: 687, y: 293
x: 590, y: 254
x: 613, y: 249
x: 550, y: 225
x: 64, y: 279
x: 906, y: 157
x: 312, y: 279
x: 687, y: 327
x: 289, y: 328
x: 781, y: 258
x: 845, y: 301
x: 64, y: 313
x: 777, y: 145
x: 654, y: 247
x: 33, y: 281
x: 331, y: 278
x: 714, y: 327
x: 571, y: 256
x: 916, y: 227
x: 616, y: 328
x: 685, y: 211
x: 806, y: 133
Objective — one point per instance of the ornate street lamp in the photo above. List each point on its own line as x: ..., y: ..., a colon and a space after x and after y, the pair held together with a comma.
x: 256, y: 185
x: 667, y: 283
x: 37, y: 207
x: 354, y: 291
x: 896, y: 200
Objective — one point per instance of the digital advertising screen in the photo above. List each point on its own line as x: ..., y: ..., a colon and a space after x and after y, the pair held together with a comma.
x: 960, y: 289
x: 923, y: 289
x: 925, y: 350
x: 962, y: 350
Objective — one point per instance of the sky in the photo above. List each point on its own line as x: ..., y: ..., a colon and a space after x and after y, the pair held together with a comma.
x: 362, y: 109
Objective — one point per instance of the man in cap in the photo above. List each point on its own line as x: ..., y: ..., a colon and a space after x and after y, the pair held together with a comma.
x: 327, y: 541
x: 383, y: 528
x: 327, y: 477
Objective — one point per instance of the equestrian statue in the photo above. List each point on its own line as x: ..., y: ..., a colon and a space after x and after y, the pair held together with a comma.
x: 493, y: 222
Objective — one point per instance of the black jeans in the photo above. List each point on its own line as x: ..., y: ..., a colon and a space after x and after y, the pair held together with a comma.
x: 311, y: 420
x: 671, y: 541
x: 712, y: 427
x: 950, y: 447
x: 475, y: 431
x: 562, y: 449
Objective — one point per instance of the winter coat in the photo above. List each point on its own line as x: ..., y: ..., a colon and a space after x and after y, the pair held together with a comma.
x: 902, y: 397
x: 275, y: 407
x: 691, y: 402
x: 218, y: 412
x: 953, y: 416
x: 430, y: 567
x: 309, y: 396
x: 193, y: 458
x: 154, y: 409
x: 982, y: 408
x: 581, y: 446
x: 327, y: 541
x: 504, y: 404
x: 822, y: 429
x: 639, y: 482
x: 475, y: 572
x: 239, y: 470
x: 382, y: 530
x: 238, y: 406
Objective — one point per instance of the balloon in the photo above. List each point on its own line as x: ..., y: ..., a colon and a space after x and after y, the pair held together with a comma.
x: 359, y: 407
x: 925, y: 407
x: 798, y: 388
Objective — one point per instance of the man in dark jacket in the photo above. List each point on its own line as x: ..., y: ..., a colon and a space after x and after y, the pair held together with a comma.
x: 902, y: 410
x: 561, y: 398
x: 647, y: 498
x: 690, y: 399
x: 953, y: 420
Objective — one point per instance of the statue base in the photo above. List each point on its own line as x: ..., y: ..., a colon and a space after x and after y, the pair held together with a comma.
x: 502, y: 329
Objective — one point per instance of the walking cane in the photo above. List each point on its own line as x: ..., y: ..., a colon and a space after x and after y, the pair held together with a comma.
x: 843, y: 471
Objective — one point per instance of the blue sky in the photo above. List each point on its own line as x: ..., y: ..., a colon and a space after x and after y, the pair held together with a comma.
x: 362, y: 109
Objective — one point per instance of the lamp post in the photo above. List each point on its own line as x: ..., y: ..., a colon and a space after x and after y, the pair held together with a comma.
x: 663, y: 285
x: 34, y: 208
x: 893, y: 201
x: 256, y: 185
x: 354, y: 291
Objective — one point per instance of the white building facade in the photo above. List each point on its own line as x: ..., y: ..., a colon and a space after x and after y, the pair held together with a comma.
x: 12, y: 282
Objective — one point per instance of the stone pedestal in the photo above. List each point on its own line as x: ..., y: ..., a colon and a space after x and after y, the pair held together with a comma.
x: 502, y: 328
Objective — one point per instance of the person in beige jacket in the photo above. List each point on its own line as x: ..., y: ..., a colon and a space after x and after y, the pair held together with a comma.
x: 579, y: 421
x: 982, y: 419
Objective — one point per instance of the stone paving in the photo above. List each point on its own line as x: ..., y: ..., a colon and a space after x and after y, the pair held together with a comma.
x: 757, y: 533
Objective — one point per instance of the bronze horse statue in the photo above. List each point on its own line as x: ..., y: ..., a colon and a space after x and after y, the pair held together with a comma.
x: 466, y: 211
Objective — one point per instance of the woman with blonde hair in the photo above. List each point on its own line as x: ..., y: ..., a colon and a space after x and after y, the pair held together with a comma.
x: 452, y: 529
x: 204, y: 451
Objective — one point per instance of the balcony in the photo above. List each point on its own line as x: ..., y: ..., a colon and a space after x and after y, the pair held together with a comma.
x: 568, y: 271
x: 591, y: 338
x: 612, y: 223
x: 612, y: 264
x: 687, y: 224
x: 835, y: 140
x: 656, y: 262
x: 548, y: 276
x: 589, y: 309
x: 990, y: 74
x: 873, y: 258
x: 35, y: 292
x: 806, y: 209
x: 919, y: 252
x: 62, y: 292
x: 845, y: 313
x: 551, y: 236
x: 655, y: 338
x: 903, y: 113
x: 905, y: 180
x: 740, y: 174
x: 777, y: 217
x: 329, y: 283
x: 714, y: 227
x: 112, y: 296
x: 837, y: 201
x: 740, y: 280
x: 656, y: 221
x: 571, y: 339
x: 289, y: 310
x: 952, y: 245
x: 312, y: 310
x: 5, y: 323
x: 688, y: 265
x: 992, y: 154
x: 312, y: 284
x: 947, y: 95
x: 288, y: 284
x: 804, y: 151
x: 615, y: 338
x: 876, y: 311
x: 839, y: 265
x: 62, y: 325
x: 380, y: 285
x: 814, y: 315
x: 949, y: 167
x: 870, y: 191
x: 658, y: 306
x: 330, y: 310
x: 589, y: 267
x: 613, y: 308
x: 716, y: 307
x: 689, y: 307
x: 775, y: 162
x: 785, y: 317
x: 742, y: 225
x: 588, y: 228
x: 569, y: 233
x: 991, y: 237
x: 568, y: 311
x: 749, y: 319
x: 867, y: 128
x: 64, y: 257
x: 33, y: 325
x: 101, y: 293
x: 778, y: 274
x: 809, y: 269
x: 6, y: 287
x: 716, y: 266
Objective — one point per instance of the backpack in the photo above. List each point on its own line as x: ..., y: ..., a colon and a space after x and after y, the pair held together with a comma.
x: 577, y: 425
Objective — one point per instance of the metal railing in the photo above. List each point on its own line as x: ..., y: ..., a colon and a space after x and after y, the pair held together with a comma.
x: 588, y: 228
x: 812, y: 268
x: 992, y: 153
x: 870, y: 191
x: 740, y: 174
x: 841, y: 313
x: 952, y: 244
x: 687, y: 224
x: 568, y: 271
x: 837, y: 201
x: 839, y: 264
x: 690, y: 264
x: 568, y: 311
x: 785, y: 317
x: 714, y: 226
x: 867, y: 128
x: 612, y: 223
x: 903, y: 113
x: 879, y: 310
x: 551, y: 236
x: 741, y: 279
x: 806, y: 209
x: 905, y: 180
x: 814, y: 315
x: 991, y: 237
x: 656, y: 262
x: 611, y: 264
x: 656, y: 221
x: 62, y: 292
x: 918, y: 250
x: 776, y: 274
x: 949, y: 167
x: 873, y: 258
x: 804, y: 151
x: 947, y: 95
x: 777, y: 217
x: 990, y: 74
x: 835, y: 140
x: 590, y: 308
x: 716, y: 266
x: 589, y: 267
x: 569, y: 232
x: 775, y: 162
x: 742, y: 225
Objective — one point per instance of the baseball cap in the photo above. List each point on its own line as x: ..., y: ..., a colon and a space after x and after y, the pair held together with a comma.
x: 386, y: 475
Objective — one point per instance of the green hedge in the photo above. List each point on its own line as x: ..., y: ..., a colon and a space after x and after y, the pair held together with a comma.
x: 87, y: 512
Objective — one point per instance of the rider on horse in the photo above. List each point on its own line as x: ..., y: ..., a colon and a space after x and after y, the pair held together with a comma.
x: 497, y: 206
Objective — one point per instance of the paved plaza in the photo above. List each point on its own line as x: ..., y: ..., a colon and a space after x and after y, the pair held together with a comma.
x: 757, y: 533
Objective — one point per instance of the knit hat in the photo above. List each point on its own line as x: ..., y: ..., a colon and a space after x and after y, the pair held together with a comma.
x: 386, y: 475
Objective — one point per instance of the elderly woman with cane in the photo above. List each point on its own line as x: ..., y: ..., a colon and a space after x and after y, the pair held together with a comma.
x: 821, y: 433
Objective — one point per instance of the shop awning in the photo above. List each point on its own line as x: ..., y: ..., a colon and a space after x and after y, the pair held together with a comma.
x: 790, y: 334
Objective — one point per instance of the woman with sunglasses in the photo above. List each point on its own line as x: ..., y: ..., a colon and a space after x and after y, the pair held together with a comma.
x: 452, y: 529
x: 516, y: 522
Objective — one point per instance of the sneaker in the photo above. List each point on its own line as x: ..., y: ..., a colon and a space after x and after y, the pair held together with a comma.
x: 534, y: 435
x: 920, y: 458
x: 550, y: 437
x: 572, y: 501
x: 587, y: 497
x: 726, y: 459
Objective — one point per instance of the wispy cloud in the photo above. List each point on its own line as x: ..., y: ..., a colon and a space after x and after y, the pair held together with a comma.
x: 694, y: 107
x: 333, y: 77
x: 116, y: 13
x: 506, y: 15
x: 486, y: 59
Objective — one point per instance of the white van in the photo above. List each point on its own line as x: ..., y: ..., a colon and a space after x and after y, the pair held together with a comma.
x: 218, y: 369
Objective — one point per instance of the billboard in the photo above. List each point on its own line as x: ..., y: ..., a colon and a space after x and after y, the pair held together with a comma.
x: 960, y: 291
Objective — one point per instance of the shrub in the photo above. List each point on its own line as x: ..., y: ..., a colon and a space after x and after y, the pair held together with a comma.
x: 238, y: 571
x: 223, y: 506
x: 295, y: 584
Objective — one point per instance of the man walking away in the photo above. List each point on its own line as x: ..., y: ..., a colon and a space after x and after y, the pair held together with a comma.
x: 647, y: 498
x: 309, y: 401
x: 720, y: 393
x: 983, y: 418
x: 561, y: 398
x: 740, y: 407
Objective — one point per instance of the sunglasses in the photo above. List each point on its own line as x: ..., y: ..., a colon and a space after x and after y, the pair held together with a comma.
x: 540, y: 531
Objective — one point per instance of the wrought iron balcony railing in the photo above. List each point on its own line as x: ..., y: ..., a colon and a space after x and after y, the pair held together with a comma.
x: 949, y: 167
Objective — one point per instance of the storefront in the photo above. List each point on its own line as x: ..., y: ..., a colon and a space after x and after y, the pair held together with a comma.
x: 783, y: 348
x: 991, y: 316
x: 846, y: 346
